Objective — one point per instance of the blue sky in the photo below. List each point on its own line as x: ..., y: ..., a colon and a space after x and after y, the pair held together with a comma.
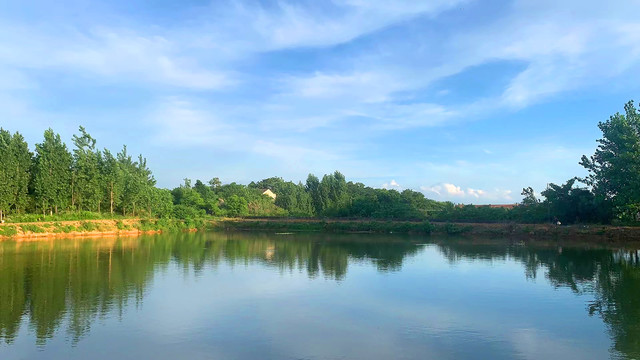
x: 468, y: 101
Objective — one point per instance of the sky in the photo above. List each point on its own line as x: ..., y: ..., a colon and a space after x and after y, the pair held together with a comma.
x: 463, y: 100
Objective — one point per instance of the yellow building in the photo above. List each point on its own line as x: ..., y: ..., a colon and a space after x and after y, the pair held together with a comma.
x: 269, y: 193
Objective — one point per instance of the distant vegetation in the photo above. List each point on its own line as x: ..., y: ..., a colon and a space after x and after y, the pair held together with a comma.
x: 86, y: 183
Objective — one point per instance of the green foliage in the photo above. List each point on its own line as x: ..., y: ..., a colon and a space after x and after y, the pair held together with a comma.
x: 424, y: 227
x: 32, y: 228
x: 59, y: 185
x: 8, y: 230
x: 63, y: 216
x: 86, y: 182
x: 52, y: 174
x: 236, y: 206
x: 186, y: 212
x: 614, y: 168
x: 88, y: 226
x: 455, y: 229
x: 571, y: 204
x: 64, y: 228
x: 122, y: 226
x: 529, y: 197
x: 15, y: 163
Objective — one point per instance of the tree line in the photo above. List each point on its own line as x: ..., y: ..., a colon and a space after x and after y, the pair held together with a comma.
x: 55, y: 179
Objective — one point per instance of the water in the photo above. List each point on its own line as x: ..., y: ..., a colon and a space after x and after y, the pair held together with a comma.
x: 268, y: 296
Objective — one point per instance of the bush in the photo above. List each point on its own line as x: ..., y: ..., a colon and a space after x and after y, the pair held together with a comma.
x: 454, y: 229
x: 88, y: 226
x: 187, y: 212
x: 122, y: 226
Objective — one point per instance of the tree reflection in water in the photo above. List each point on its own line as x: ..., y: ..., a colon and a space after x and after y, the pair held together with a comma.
x: 72, y: 283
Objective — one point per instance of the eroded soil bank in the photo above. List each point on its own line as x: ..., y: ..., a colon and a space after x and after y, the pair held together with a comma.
x: 79, y: 228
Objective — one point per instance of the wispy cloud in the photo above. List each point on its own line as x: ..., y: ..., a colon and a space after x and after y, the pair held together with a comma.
x: 447, y: 191
x: 370, y: 87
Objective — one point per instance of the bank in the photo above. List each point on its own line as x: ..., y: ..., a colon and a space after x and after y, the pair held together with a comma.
x: 136, y: 227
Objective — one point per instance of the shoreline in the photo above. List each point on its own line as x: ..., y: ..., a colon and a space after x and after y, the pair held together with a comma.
x: 44, y: 230
x: 136, y: 227
x: 585, y: 233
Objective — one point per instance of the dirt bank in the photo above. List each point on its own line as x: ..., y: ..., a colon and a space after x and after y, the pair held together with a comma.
x: 79, y: 228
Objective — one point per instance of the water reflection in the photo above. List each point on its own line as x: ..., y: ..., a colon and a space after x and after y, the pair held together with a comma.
x: 612, y: 276
x: 71, y: 283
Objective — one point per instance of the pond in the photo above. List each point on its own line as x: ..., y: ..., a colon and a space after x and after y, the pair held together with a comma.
x: 218, y: 295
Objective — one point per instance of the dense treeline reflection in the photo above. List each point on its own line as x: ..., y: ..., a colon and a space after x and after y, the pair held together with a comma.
x: 74, y: 282
x: 68, y: 284
x: 613, y: 277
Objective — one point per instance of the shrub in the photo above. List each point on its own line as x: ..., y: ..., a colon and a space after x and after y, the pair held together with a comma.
x: 8, y: 230
x: 32, y: 228
x: 88, y: 226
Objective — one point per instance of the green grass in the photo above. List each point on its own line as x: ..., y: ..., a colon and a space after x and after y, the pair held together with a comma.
x: 88, y: 226
x: 32, y: 228
x: 63, y: 216
x: 8, y: 230
x: 122, y: 226
x: 424, y: 227
x: 65, y: 229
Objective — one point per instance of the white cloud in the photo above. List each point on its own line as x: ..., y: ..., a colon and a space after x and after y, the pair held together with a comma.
x: 392, y: 185
x: 114, y: 55
x: 447, y: 191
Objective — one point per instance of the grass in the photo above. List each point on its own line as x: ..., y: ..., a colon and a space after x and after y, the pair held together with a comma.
x: 88, y: 226
x: 424, y: 227
x: 63, y: 216
x: 64, y: 229
x: 8, y: 230
x: 32, y: 228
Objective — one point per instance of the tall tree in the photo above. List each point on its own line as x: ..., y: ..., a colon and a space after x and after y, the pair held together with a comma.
x: 6, y: 178
x: 86, y: 172
x: 22, y: 158
x: 313, y: 188
x: 52, y: 173
x: 614, y: 168
x: 137, y: 182
x: 111, y: 179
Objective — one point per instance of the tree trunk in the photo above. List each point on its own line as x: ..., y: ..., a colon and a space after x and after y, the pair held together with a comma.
x: 0, y: 216
x: 73, y: 200
x: 111, y: 199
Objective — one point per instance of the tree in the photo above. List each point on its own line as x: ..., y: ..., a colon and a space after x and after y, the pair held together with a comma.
x: 86, y: 192
x: 313, y: 188
x: 572, y: 204
x: 6, y: 179
x: 529, y: 197
x: 52, y: 173
x: 236, y: 206
x: 111, y: 179
x: 215, y: 183
x: 22, y: 162
x: 614, y: 168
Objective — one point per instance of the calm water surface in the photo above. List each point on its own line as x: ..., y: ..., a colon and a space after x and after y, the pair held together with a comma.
x: 270, y: 296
